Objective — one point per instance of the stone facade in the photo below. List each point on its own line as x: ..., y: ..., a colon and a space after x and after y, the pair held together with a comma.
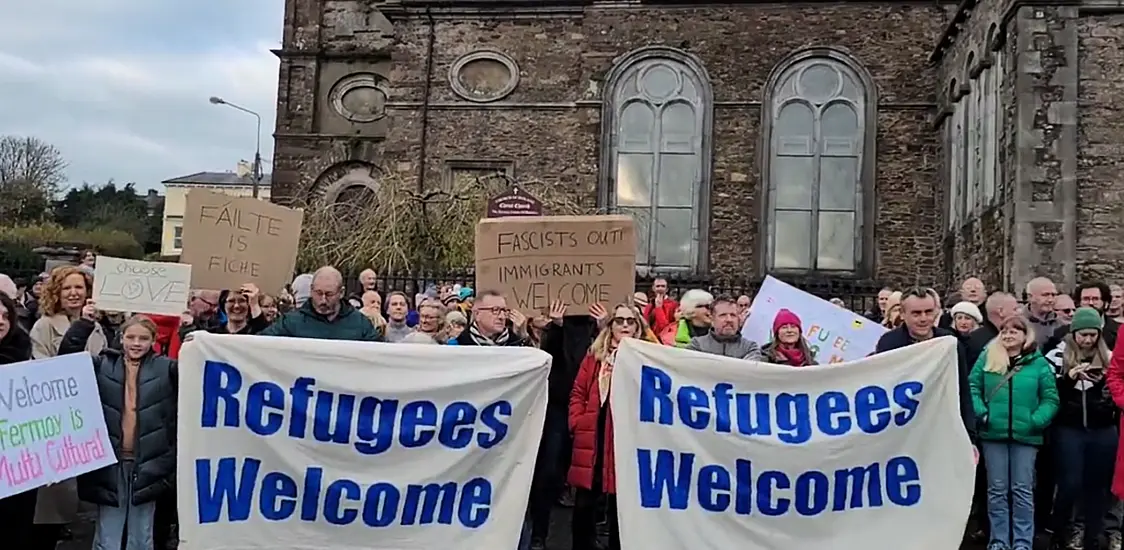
x: 1059, y: 141
x: 412, y: 119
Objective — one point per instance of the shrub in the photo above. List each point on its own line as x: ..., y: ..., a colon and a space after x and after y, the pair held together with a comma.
x: 108, y: 242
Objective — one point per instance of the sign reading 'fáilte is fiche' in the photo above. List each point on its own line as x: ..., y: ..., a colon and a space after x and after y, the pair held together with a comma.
x: 866, y: 455
x: 287, y: 443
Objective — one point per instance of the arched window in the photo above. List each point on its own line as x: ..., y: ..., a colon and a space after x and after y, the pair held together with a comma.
x: 818, y: 163
x: 656, y: 120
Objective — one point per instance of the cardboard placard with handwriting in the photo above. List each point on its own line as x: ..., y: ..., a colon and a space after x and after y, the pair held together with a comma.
x: 581, y: 260
x: 159, y: 288
x: 230, y: 241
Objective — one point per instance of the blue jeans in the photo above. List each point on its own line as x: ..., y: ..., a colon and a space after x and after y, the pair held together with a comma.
x: 112, y: 520
x: 1010, y: 474
x: 1089, y: 457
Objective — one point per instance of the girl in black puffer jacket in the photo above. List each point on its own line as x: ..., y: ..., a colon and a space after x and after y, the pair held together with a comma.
x: 17, y: 512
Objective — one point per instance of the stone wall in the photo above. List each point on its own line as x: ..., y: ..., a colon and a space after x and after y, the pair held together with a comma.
x: 549, y: 126
x: 1100, y: 146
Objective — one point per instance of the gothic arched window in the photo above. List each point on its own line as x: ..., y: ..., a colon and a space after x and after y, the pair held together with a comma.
x: 819, y: 129
x: 656, y: 155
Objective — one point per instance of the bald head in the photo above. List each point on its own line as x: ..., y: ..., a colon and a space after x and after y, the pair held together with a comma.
x: 1000, y: 306
x: 972, y: 290
x: 327, y: 291
x: 1040, y: 296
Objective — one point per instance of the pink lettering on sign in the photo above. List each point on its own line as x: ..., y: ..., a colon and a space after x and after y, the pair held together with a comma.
x: 21, y: 470
x: 66, y: 454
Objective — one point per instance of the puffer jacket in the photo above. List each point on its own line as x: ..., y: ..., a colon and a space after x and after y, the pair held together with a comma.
x: 305, y: 322
x: 1021, y: 409
x: 1085, y: 404
x: 585, y: 410
x: 734, y: 346
x: 154, y: 451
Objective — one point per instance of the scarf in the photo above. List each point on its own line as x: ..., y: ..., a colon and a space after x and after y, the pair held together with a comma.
x: 792, y: 355
x: 481, y: 340
x: 605, y: 376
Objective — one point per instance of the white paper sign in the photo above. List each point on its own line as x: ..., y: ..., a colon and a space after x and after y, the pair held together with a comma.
x: 51, y: 423
x: 715, y: 454
x: 141, y: 287
x: 287, y: 443
x: 835, y: 334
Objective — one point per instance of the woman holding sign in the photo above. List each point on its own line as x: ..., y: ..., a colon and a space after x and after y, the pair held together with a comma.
x: 67, y: 292
x: 17, y: 512
x: 591, y: 424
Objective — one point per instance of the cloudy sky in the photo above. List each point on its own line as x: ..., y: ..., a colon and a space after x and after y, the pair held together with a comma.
x: 121, y: 86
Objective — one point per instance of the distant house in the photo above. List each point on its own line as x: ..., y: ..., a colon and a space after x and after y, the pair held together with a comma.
x: 238, y: 184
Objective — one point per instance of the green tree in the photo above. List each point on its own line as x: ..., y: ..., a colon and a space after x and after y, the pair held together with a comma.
x: 108, y: 207
x: 32, y: 172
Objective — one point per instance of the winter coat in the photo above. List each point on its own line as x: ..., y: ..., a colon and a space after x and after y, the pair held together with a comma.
x: 1085, y: 404
x: 1022, y: 408
x: 900, y: 337
x: 1114, y: 379
x: 567, y: 344
x: 768, y: 355
x: 679, y: 334
x: 58, y: 503
x: 350, y: 324
x: 660, y: 317
x: 585, y: 410
x: 154, y: 450
x: 736, y: 346
x: 15, y: 347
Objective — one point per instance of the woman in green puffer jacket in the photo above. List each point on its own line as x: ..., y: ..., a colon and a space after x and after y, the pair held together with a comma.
x: 1015, y: 397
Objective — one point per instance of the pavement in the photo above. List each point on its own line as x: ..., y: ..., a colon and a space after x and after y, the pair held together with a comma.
x: 559, y: 532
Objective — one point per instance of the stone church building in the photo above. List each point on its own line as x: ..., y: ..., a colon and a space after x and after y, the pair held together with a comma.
x: 887, y: 142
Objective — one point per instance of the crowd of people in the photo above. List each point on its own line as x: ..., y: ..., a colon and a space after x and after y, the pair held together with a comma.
x: 1040, y: 393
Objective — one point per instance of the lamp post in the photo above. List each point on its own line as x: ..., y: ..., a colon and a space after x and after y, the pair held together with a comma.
x: 257, y: 176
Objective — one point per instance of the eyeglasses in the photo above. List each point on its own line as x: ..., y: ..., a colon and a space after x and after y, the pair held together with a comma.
x: 621, y: 321
x: 325, y: 295
x: 1067, y: 311
x: 495, y: 310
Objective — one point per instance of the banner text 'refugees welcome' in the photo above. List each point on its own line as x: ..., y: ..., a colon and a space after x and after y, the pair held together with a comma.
x: 371, y: 425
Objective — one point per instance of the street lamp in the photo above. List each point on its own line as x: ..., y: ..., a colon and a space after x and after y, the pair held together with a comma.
x: 215, y: 100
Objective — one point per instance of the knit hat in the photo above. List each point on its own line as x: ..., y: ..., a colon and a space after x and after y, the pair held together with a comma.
x: 786, y: 317
x: 969, y: 309
x: 1086, y: 318
x: 302, y: 288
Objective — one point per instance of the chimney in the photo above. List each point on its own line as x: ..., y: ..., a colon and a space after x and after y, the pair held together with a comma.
x: 244, y: 169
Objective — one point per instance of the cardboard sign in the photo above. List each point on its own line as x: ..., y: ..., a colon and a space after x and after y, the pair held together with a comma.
x: 231, y: 241
x: 514, y: 202
x: 581, y: 260
x: 141, y: 287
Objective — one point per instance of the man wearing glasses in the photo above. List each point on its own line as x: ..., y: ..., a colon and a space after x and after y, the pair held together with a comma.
x: 326, y: 315
x: 490, y: 323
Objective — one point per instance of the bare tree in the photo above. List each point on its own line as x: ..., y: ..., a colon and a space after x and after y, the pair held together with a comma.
x: 32, y: 172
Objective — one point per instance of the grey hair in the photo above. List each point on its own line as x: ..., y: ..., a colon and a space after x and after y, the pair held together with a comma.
x: 694, y: 298
x: 417, y: 338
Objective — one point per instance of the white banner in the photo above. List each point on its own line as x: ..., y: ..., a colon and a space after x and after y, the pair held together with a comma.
x: 51, y: 423
x: 715, y: 454
x: 835, y: 334
x: 313, y: 444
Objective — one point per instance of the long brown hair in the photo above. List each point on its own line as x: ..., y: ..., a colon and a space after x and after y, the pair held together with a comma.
x: 600, y: 347
x: 50, y: 303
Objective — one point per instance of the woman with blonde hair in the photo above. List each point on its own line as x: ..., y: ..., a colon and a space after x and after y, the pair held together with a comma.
x: 893, y: 317
x: 138, y: 392
x: 1085, y: 434
x: 592, y: 461
x: 64, y: 300
x: 1015, y: 397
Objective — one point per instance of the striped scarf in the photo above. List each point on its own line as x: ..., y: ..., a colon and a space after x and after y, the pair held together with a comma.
x: 481, y: 340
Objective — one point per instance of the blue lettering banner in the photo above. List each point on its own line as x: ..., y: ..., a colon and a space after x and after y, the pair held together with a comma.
x: 718, y: 453
x: 287, y: 443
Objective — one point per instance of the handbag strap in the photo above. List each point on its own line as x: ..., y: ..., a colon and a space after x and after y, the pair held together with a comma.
x: 1006, y: 378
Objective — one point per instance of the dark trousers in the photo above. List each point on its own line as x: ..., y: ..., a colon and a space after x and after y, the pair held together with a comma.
x: 46, y: 536
x: 163, y: 525
x: 1089, y: 458
x: 586, y: 515
x: 550, y: 474
x: 1045, y: 480
x: 17, y: 517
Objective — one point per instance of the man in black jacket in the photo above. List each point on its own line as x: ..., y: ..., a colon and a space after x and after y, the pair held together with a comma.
x: 999, y: 306
x: 920, y: 309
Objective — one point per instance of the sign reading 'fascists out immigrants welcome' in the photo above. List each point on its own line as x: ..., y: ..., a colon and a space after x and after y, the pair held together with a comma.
x: 581, y: 260
x: 233, y: 241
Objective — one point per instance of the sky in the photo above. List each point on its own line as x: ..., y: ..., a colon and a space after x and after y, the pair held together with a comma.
x: 121, y: 87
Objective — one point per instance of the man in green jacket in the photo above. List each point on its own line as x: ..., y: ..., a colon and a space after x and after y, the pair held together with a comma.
x: 326, y: 315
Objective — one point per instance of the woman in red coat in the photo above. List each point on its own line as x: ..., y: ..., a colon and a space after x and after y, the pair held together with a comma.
x: 591, y: 424
x: 1114, y: 379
